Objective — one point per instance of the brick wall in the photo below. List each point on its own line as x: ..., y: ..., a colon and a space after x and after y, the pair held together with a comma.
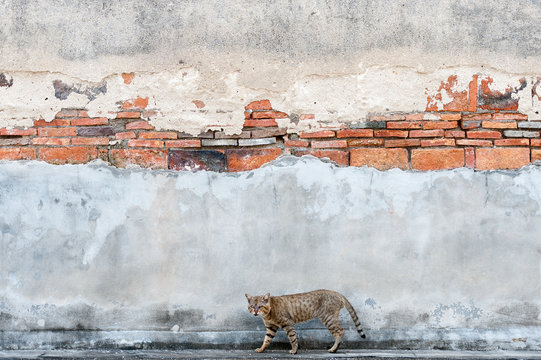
x: 477, y: 128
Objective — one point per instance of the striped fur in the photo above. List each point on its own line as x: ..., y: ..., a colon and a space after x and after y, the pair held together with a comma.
x: 287, y: 310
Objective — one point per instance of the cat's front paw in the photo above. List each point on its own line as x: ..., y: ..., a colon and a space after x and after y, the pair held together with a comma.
x: 259, y: 349
x: 293, y: 352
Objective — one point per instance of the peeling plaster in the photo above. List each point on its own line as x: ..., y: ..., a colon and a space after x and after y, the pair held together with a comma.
x: 177, y: 97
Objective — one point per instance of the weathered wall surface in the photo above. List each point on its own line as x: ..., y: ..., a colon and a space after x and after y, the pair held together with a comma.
x: 132, y: 257
x: 447, y: 259
x: 338, y: 60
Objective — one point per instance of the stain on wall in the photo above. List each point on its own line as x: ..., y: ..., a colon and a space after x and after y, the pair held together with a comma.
x: 140, y: 250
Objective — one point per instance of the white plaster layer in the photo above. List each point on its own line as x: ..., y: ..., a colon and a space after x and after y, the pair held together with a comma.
x: 334, y: 99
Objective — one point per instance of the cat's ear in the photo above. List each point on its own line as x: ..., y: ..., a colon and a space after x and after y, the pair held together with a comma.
x: 266, y: 297
x: 248, y: 297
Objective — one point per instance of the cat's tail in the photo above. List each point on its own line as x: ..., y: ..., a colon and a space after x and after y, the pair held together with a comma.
x: 354, y: 316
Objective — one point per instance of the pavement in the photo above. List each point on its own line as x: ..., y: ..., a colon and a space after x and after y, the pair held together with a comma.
x: 274, y: 354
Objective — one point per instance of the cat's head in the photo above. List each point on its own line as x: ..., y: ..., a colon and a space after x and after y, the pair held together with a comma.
x: 259, y: 305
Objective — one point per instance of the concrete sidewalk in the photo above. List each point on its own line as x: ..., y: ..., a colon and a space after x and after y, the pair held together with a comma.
x: 276, y: 354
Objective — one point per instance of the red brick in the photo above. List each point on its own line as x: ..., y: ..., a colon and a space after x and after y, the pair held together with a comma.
x: 183, y: 143
x: 469, y: 157
x: 139, y: 125
x: 365, y: 142
x: 148, y: 158
x: 388, y: 117
x: 481, y: 116
x: 296, y: 143
x: 317, y: 134
x: 64, y: 131
x: 509, y: 116
x: 244, y: 159
x: 402, y: 142
x: 512, y: 142
x: 451, y: 117
x: 426, y: 133
x: 331, y: 144
x: 90, y: 141
x: 53, y: 122
x: 536, y: 155
x: 260, y: 123
x: 138, y: 103
x: 17, y: 153
x: 269, y: 115
x: 341, y: 157
x: 125, y: 135
x: 437, y: 159
x: 89, y: 121
x: 472, y: 94
x: 535, y: 142
x: 471, y: 142
x: 482, y: 134
x: 455, y: 133
x: 429, y: 125
x: 381, y: 159
x: 128, y: 115
x: 247, y: 115
x: 505, y: 124
x: 145, y: 143
x: 438, y: 142
x: 158, y: 135
x: 501, y: 158
x: 67, y: 155
x: 391, y: 133
x: 259, y: 105
x: 17, y: 132
x: 307, y: 116
x: 354, y: 133
x: 459, y: 100
x: 51, y: 141
x: 404, y: 125
x: 415, y: 117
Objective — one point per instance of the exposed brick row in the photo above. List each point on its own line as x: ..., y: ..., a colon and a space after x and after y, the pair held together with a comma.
x: 420, y: 141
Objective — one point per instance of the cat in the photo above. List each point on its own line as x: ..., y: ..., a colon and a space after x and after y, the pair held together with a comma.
x: 287, y: 310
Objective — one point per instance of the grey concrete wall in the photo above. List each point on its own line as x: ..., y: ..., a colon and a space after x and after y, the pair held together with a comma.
x: 128, y: 258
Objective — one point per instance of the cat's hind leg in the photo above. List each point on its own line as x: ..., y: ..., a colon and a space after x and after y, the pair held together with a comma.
x: 332, y: 323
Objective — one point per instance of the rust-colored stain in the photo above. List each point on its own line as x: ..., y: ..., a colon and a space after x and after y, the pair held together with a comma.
x: 199, y: 104
x: 139, y: 103
x: 472, y: 94
x: 128, y: 77
x: 459, y: 100
x: 536, y: 92
x: 497, y: 100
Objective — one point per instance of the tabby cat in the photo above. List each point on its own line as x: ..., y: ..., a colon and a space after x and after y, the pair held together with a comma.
x: 287, y: 310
